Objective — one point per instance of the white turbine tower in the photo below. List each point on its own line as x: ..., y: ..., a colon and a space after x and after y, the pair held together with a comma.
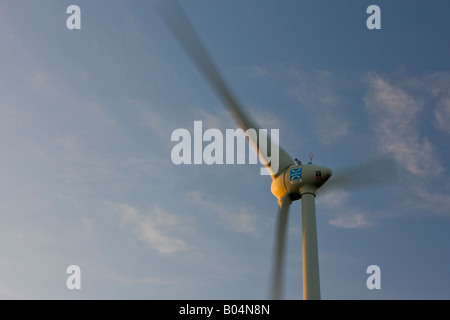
x: 292, y: 181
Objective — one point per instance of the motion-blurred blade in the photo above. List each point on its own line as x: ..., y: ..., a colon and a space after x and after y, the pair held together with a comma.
x: 280, y: 246
x: 177, y: 21
x: 377, y: 173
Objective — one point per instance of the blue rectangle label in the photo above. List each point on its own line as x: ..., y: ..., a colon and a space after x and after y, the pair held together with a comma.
x: 295, y: 175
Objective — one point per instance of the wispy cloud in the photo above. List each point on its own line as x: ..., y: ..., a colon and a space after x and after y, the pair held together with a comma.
x: 238, y: 218
x: 406, y: 111
x: 333, y: 199
x: 430, y: 201
x: 396, y: 115
x: 155, y: 227
x: 442, y: 114
x: 253, y: 71
x: 218, y: 118
x: 316, y: 91
x: 353, y: 220
x: 268, y: 120
x: 438, y: 84
x: 342, y: 214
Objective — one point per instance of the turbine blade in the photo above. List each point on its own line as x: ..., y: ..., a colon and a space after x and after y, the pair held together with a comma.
x: 177, y: 21
x: 280, y: 246
x: 376, y: 173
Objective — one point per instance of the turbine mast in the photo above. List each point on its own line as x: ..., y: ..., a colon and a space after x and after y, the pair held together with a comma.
x: 311, y: 282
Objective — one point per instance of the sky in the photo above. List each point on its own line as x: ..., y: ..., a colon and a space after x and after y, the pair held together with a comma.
x: 87, y: 179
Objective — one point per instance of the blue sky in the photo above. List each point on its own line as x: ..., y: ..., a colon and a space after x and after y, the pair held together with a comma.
x: 86, y: 118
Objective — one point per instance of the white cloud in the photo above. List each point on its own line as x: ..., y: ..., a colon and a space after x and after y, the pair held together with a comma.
x: 148, y: 232
x: 402, y: 112
x: 333, y: 199
x: 343, y: 215
x: 396, y: 115
x: 353, y: 220
x: 155, y: 227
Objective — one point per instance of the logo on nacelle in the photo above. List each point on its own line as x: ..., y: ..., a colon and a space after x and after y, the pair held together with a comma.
x: 295, y: 175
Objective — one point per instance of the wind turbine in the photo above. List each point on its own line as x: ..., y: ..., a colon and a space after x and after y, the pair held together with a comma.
x: 292, y: 180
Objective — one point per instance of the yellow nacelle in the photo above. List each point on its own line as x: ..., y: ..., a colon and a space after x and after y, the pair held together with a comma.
x: 298, y: 180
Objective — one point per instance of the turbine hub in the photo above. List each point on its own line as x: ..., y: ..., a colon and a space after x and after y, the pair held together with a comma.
x: 300, y: 179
